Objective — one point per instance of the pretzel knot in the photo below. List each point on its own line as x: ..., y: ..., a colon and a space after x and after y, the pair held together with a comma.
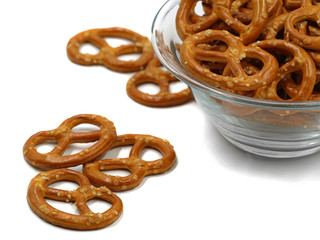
x: 193, y: 56
x: 154, y: 74
x: 301, y: 61
x: 64, y: 136
x: 108, y: 56
x: 138, y: 167
x: 39, y: 190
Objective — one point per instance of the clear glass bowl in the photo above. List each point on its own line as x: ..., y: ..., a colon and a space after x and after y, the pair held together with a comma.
x: 279, y: 129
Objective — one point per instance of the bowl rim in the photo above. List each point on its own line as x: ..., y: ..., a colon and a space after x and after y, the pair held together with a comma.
x: 214, y: 91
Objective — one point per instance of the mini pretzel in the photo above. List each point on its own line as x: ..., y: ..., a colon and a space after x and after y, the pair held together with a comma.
x: 248, y: 33
x: 107, y: 55
x: 245, y: 15
x: 185, y: 26
x: 301, y: 61
x: 307, y: 11
x: 39, y: 190
x: 138, y: 167
x: 64, y: 136
x: 192, y: 56
x: 154, y: 74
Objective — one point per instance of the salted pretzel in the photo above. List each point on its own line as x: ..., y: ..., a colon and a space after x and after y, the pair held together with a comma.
x: 245, y: 15
x: 39, y: 190
x: 108, y: 55
x: 192, y: 56
x: 138, y: 167
x: 307, y: 11
x: 186, y: 22
x: 301, y: 61
x: 247, y: 32
x: 154, y: 74
x: 64, y: 136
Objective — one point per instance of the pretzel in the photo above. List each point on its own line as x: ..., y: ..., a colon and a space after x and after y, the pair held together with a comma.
x: 192, y: 56
x: 154, y: 74
x: 301, y: 61
x: 64, y: 136
x: 248, y: 33
x: 138, y: 167
x: 307, y: 11
x: 107, y: 55
x: 245, y: 15
x: 39, y: 190
x: 185, y: 26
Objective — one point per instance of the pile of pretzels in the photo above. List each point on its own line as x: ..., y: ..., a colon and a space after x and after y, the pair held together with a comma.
x: 266, y: 49
x: 146, y: 68
x: 93, y: 182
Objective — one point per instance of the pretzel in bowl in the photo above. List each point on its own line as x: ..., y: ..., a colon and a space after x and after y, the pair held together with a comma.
x: 193, y: 56
x: 39, y: 190
x: 138, y: 167
x: 64, y: 136
x: 247, y: 32
x: 188, y: 22
x: 154, y: 74
x: 301, y: 61
x: 307, y: 12
x: 108, y: 55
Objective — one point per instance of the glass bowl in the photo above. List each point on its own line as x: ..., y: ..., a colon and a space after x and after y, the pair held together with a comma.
x: 278, y: 129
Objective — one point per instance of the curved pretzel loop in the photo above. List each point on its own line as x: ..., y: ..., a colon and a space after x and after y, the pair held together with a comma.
x: 188, y: 22
x: 301, y: 61
x: 307, y: 11
x: 154, y: 74
x: 138, y: 167
x: 248, y: 33
x: 39, y: 190
x: 192, y: 57
x: 64, y: 136
x: 108, y: 56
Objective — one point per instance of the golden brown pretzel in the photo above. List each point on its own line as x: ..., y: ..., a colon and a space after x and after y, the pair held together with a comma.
x: 301, y: 62
x: 248, y: 33
x: 245, y: 15
x: 108, y: 56
x: 307, y: 11
x: 64, y: 136
x: 39, y: 190
x: 138, y: 167
x: 184, y: 23
x: 154, y: 74
x: 192, y: 56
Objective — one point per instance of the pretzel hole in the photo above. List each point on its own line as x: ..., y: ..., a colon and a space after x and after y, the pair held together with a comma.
x: 85, y: 127
x: 216, y: 45
x: 150, y: 154
x: 98, y: 205
x: 67, y: 207
x: 65, y: 185
x: 89, y: 48
x: 117, y: 41
x: 251, y: 65
x: 202, y: 9
x: 117, y: 172
x: 118, y: 152
x: 46, y: 147
x: 149, y: 88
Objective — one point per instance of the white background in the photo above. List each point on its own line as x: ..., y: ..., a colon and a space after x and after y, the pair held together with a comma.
x: 215, y: 191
